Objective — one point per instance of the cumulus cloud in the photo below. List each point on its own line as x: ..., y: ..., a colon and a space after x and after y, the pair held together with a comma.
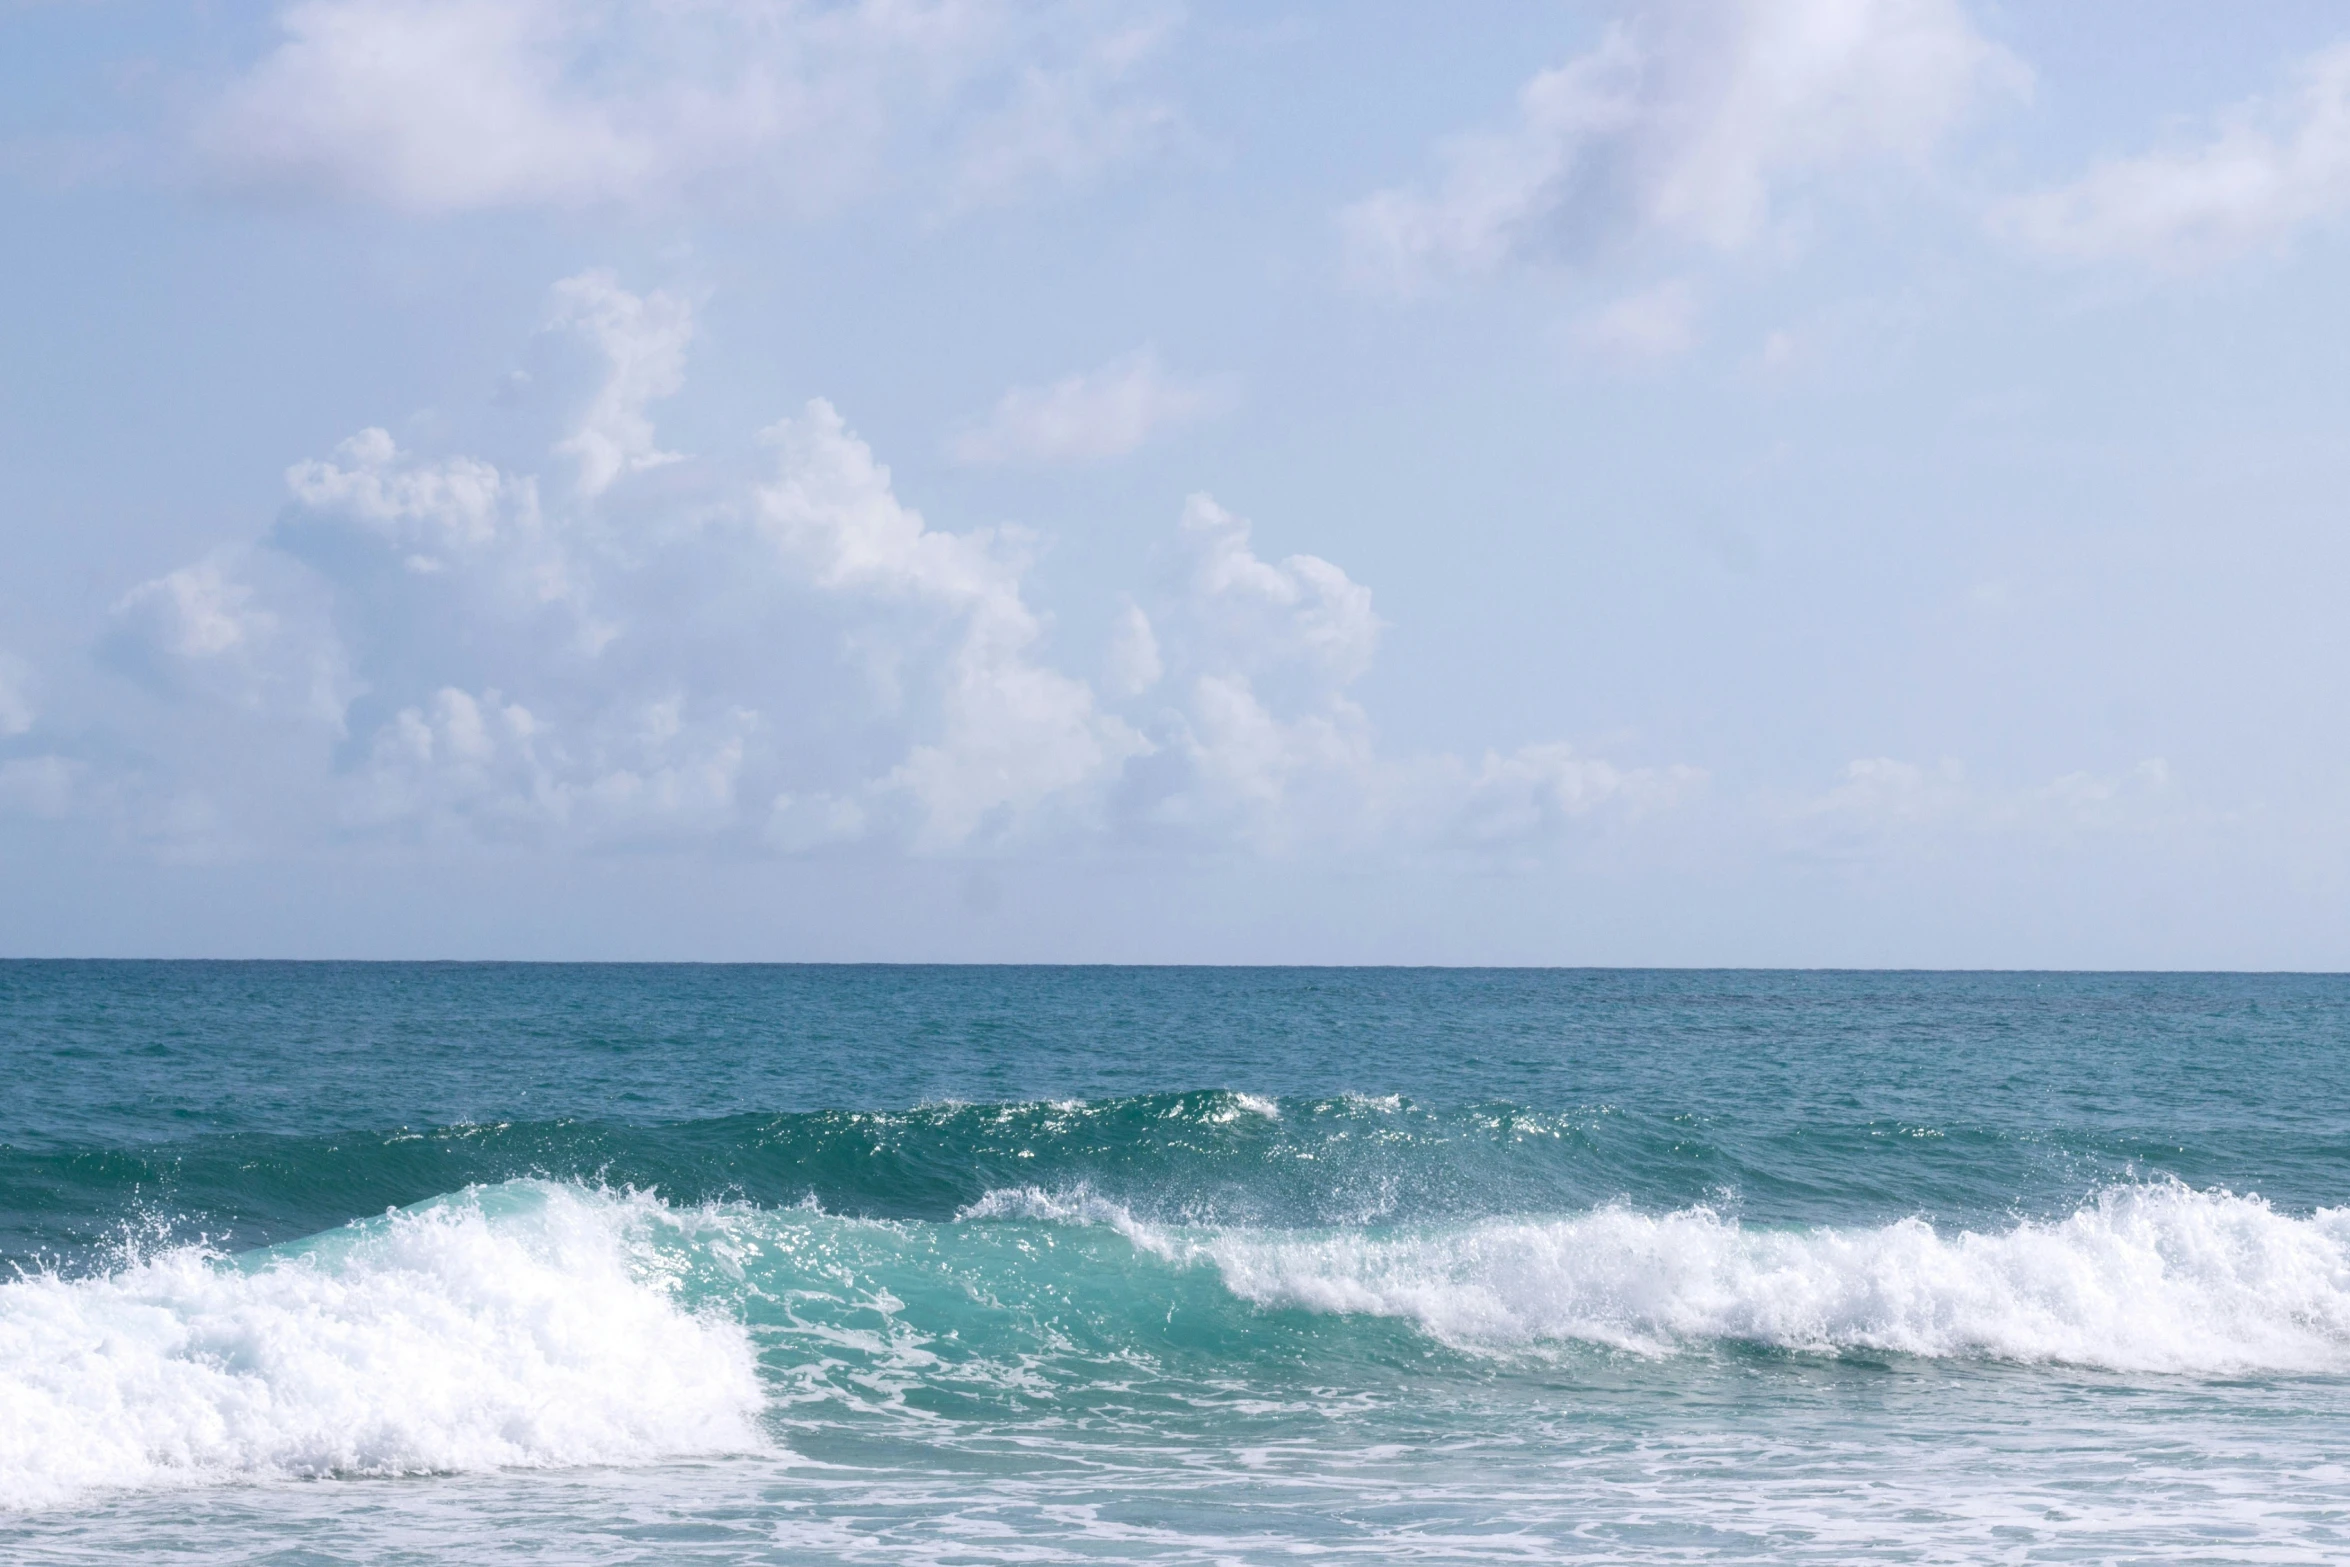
x: 1258, y: 743
x: 457, y: 105
x: 210, y: 629
x: 803, y: 663
x: 2269, y: 169
x: 1687, y: 121
x: 1088, y: 417
x: 1133, y: 664
x: 643, y: 340
x: 1011, y: 733
x: 1303, y: 612
x: 196, y: 612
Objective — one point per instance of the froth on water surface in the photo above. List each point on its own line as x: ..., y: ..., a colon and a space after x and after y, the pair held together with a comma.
x: 851, y: 1266
x: 1054, y: 1370
x: 527, y: 1326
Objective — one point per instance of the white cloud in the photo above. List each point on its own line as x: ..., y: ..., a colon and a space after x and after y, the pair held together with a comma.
x: 431, y: 511
x: 1532, y: 792
x: 1089, y: 417
x: 1134, y: 665
x: 210, y: 629
x: 1259, y: 744
x: 2271, y: 168
x: 1253, y: 613
x: 1882, y: 796
x: 455, y: 105
x: 459, y: 754
x: 1067, y: 122
x: 1654, y: 324
x: 409, y: 540
x: 643, y: 341
x: 17, y: 708
x: 1883, y: 791
x: 1012, y: 732
x: 196, y: 612
x: 802, y: 663
x: 1686, y: 122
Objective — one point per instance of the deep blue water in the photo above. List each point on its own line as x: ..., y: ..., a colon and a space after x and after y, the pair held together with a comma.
x: 806, y: 1263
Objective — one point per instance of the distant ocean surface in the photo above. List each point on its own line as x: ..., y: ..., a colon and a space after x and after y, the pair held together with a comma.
x: 429, y: 1263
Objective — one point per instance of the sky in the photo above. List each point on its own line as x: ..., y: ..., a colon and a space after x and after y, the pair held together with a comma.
x: 1756, y: 482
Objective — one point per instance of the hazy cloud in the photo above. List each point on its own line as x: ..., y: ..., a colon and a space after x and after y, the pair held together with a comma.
x: 439, y: 106
x: 1884, y: 795
x: 643, y: 341
x: 1642, y: 328
x: 1687, y: 121
x: 1071, y: 116
x: 1258, y: 743
x: 1089, y: 417
x: 42, y: 786
x: 2269, y: 169
x: 17, y: 708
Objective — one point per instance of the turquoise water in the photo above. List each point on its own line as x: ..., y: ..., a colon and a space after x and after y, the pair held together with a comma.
x: 421, y: 1262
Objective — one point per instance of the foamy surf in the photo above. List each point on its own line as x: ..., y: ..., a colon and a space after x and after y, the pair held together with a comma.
x: 522, y: 1325
x: 536, y: 1325
x: 2145, y: 1278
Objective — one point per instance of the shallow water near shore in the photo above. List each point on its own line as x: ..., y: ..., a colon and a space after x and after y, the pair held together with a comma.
x: 426, y: 1262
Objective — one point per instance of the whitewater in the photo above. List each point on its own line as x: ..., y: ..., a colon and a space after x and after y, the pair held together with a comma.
x: 1760, y: 1268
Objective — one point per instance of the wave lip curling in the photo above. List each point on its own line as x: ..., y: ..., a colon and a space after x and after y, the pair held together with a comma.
x: 520, y: 1325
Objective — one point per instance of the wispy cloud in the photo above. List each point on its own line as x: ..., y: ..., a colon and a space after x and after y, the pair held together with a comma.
x: 1881, y: 797
x: 436, y: 106
x: 1092, y: 416
x: 17, y: 708
x: 1646, y: 327
x: 2268, y: 170
x: 1686, y: 121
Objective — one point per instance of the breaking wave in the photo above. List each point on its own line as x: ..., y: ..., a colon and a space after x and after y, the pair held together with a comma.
x: 527, y: 1325
x: 2145, y: 1278
x: 536, y: 1323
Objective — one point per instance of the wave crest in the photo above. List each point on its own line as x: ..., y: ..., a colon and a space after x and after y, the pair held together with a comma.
x: 2144, y: 1278
x: 511, y: 1326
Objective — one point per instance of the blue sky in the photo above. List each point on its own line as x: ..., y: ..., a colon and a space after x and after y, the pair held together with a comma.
x: 1810, y: 482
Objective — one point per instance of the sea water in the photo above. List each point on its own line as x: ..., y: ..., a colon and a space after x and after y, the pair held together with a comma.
x: 441, y: 1263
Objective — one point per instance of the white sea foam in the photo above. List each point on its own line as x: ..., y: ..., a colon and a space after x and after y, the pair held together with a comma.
x: 2147, y: 1278
x: 520, y: 1326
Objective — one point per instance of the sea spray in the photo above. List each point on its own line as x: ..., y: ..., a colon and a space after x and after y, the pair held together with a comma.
x: 541, y: 1324
x: 515, y: 1327
x: 1434, y: 1266
x: 2151, y: 1278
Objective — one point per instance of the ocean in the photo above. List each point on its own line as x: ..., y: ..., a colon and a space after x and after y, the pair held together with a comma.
x: 430, y: 1263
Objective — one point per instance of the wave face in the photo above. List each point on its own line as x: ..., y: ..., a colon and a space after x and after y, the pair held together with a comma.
x: 528, y: 1325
